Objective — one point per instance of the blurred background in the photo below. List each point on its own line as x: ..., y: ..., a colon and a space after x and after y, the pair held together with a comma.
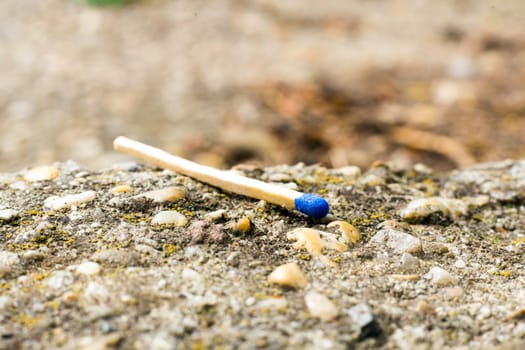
x: 335, y: 82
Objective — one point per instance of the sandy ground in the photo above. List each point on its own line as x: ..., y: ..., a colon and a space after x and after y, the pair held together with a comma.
x: 416, y: 260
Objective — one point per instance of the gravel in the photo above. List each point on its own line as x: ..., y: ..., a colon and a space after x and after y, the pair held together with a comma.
x: 100, y: 275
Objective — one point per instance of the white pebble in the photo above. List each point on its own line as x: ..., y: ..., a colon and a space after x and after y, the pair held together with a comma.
x: 460, y: 264
x: 5, y: 302
x: 59, y: 279
x: 408, y: 262
x: 461, y: 67
x: 57, y: 203
x: 191, y: 275
x: 350, y: 172
x: 169, y: 217
x: 18, y: 185
x: 88, y: 268
x: 193, y: 251
x: 168, y: 194
x: 397, y: 241
x: 250, y: 301
x: 41, y: 173
x: 441, y: 277
x: 372, y: 180
x: 121, y: 189
x: 33, y: 255
x: 320, y: 306
x: 361, y: 314
x: 484, y: 312
x: 423, y: 207
x: 288, y: 275
x: 8, y: 214
x: 273, y: 303
x: 215, y: 215
x: 453, y: 292
x: 8, y: 261
x: 449, y: 92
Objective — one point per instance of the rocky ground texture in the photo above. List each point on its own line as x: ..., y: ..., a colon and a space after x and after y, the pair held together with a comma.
x: 140, y: 258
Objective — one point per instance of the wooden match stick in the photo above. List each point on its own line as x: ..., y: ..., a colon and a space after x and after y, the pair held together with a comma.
x: 309, y: 204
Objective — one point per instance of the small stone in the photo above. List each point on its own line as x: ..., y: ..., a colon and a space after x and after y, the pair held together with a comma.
x: 8, y: 214
x: 460, y: 264
x: 410, y: 277
x: 42, y: 173
x: 452, y: 293
x: 250, y: 301
x: 59, y: 279
x: 408, y: 262
x: 69, y: 297
x: 191, y: 275
x: 121, y: 189
x: 88, y: 268
x: 288, y: 275
x: 372, y: 180
x: 461, y: 67
x: 449, y: 92
x: 310, y: 239
x: 203, y: 230
x: 350, y: 172
x: 425, y: 309
x: 5, y: 302
x: 519, y: 333
x: 33, y: 255
x: 320, y: 306
x: 280, y: 177
x: 168, y: 194
x: 215, y: 215
x: 100, y: 342
x: 484, y: 312
x: 18, y: 185
x: 361, y: 314
x: 422, y: 168
x: 397, y: 241
x: 424, y: 207
x: 169, y: 217
x: 275, y: 303
x: 441, y: 277
x: 58, y: 203
x: 243, y: 225
x: 193, y: 252
x: 8, y: 261
x: 350, y: 234
x: 116, y: 257
x: 233, y: 259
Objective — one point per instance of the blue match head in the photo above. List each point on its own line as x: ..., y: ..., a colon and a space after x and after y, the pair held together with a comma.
x: 312, y: 205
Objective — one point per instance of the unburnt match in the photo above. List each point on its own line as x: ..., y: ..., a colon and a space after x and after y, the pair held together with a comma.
x: 309, y: 204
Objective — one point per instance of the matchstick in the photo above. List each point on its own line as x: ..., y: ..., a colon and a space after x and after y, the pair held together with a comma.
x: 309, y: 204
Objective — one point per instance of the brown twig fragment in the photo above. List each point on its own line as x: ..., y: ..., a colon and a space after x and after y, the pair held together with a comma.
x: 428, y: 141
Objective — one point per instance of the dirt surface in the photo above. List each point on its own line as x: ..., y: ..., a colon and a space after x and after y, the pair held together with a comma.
x: 332, y: 82
x: 438, y: 263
